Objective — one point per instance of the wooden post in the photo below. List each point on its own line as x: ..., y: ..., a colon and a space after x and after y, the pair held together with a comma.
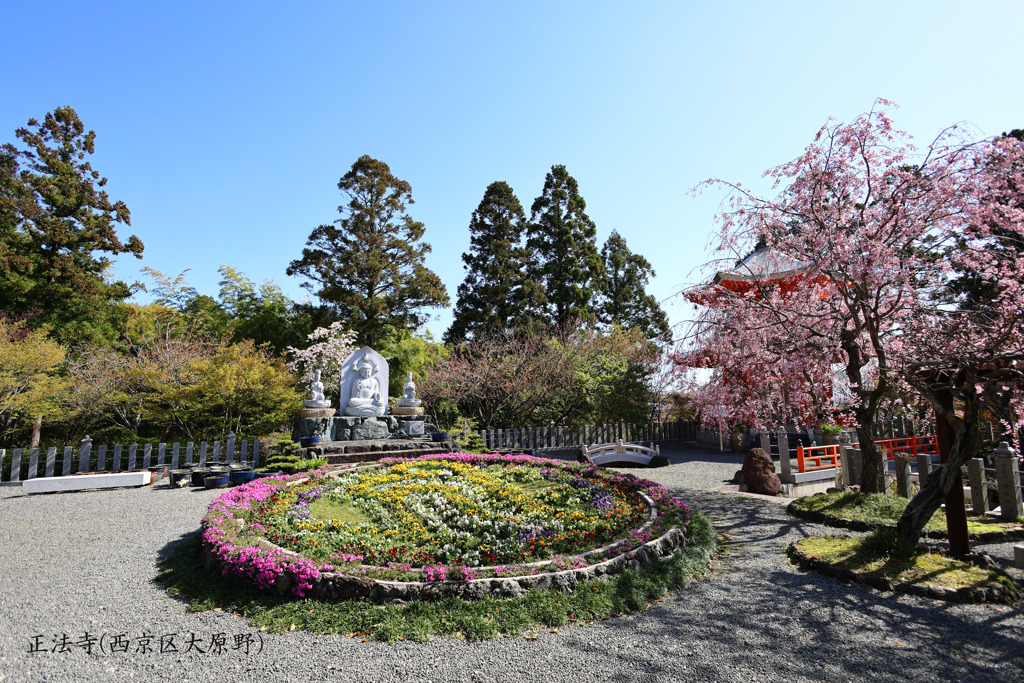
x: 1008, y: 476
x: 956, y: 513
x: 979, y: 494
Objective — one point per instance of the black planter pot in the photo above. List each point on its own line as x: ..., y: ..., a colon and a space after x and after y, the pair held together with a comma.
x: 198, y: 475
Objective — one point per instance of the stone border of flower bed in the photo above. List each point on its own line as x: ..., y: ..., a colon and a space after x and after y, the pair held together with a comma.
x: 1015, y: 534
x: 304, y: 578
x: 996, y: 593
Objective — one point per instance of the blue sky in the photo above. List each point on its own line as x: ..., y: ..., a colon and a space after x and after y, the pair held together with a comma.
x: 225, y: 126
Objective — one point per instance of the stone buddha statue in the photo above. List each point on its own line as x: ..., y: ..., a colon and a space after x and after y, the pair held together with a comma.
x: 409, y: 399
x: 316, y: 394
x: 365, y: 396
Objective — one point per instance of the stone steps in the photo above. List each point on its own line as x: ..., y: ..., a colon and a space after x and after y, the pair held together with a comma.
x: 340, y: 452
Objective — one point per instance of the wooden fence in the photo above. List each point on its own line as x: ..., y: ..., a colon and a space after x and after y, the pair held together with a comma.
x: 18, y: 464
x: 552, y: 436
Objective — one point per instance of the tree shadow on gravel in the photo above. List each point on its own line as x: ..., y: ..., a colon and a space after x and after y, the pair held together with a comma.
x: 783, y: 625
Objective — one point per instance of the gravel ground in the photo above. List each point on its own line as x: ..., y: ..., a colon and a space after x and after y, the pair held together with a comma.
x: 82, y: 563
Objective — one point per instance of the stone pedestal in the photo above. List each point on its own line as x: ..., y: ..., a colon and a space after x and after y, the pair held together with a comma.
x: 406, y: 411
x: 354, y: 428
x: 317, y: 412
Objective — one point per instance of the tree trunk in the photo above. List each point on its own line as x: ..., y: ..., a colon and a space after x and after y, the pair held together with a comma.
x: 37, y: 430
x: 872, y: 480
x: 967, y: 444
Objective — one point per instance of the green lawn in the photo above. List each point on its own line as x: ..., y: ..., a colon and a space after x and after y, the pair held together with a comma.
x: 885, y: 510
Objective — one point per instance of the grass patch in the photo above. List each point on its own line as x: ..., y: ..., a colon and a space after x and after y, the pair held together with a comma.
x: 885, y: 510
x: 183, y: 575
x: 325, y: 508
x: 880, y: 554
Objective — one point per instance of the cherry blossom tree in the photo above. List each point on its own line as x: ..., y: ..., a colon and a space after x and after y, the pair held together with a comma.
x: 328, y: 349
x: 873, y: 223
x: 967, y: 351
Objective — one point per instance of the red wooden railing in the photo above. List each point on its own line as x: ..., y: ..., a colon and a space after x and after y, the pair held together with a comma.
x: 814, y: 458
x: 810, y: 458
x: 911, y: 445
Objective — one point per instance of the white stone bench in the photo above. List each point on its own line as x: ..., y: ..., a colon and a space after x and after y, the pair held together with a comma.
x: 79, y: 482
x: 620, y: 452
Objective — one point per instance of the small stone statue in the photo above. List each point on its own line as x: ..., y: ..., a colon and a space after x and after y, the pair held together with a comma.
x: 365, y: 398
x: 409, y: 399
x: 316, y: 394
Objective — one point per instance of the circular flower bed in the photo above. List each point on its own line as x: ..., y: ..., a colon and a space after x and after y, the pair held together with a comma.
x: 402, y: 528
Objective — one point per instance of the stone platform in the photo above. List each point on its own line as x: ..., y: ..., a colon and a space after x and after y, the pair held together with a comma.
x: 348, y: 428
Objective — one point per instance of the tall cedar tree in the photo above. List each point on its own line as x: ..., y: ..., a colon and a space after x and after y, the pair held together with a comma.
x: 496, y: 291
x: 623, y: 300
x: 370, y: 263
x: 562, y: 236
x: 54, y: 219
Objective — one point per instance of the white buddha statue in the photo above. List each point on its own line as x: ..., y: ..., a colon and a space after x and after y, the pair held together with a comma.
x: 365, y: 396
x: 316, y: 394
x: 409, y: 399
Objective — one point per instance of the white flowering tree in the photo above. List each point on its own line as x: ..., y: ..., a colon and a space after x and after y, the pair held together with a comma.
x: 328, y: 348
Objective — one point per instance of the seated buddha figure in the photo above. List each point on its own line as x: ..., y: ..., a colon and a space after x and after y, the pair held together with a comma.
x: 365, y: 396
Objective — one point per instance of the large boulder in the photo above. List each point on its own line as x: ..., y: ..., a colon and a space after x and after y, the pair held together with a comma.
x: 759, y: 473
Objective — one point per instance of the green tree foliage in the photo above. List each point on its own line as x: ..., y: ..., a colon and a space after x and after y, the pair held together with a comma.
x: 528, y: 377
x: 562, y: 236
x: 31, y: 385
x: 261, y: 313
x: 243, y: 310
x: 496, y: 290
x: 241, y: 388
x: 54, y: 220
x: 369, y: 265
x: 623, y: 300
x: 408, y: 352
x: 179, y: 385
x: 122, y: 393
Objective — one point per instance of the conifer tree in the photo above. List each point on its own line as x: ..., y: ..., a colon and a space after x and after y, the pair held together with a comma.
x: 55, y: 221
x: 369, y: 264
x: 562, y: 236
x: 623, y: 300
x: 496, y: 290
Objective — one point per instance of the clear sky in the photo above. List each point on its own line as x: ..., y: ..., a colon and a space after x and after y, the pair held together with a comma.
x: 225, y: 126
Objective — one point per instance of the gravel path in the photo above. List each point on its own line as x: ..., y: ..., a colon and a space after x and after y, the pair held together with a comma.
x: 82, y: 563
